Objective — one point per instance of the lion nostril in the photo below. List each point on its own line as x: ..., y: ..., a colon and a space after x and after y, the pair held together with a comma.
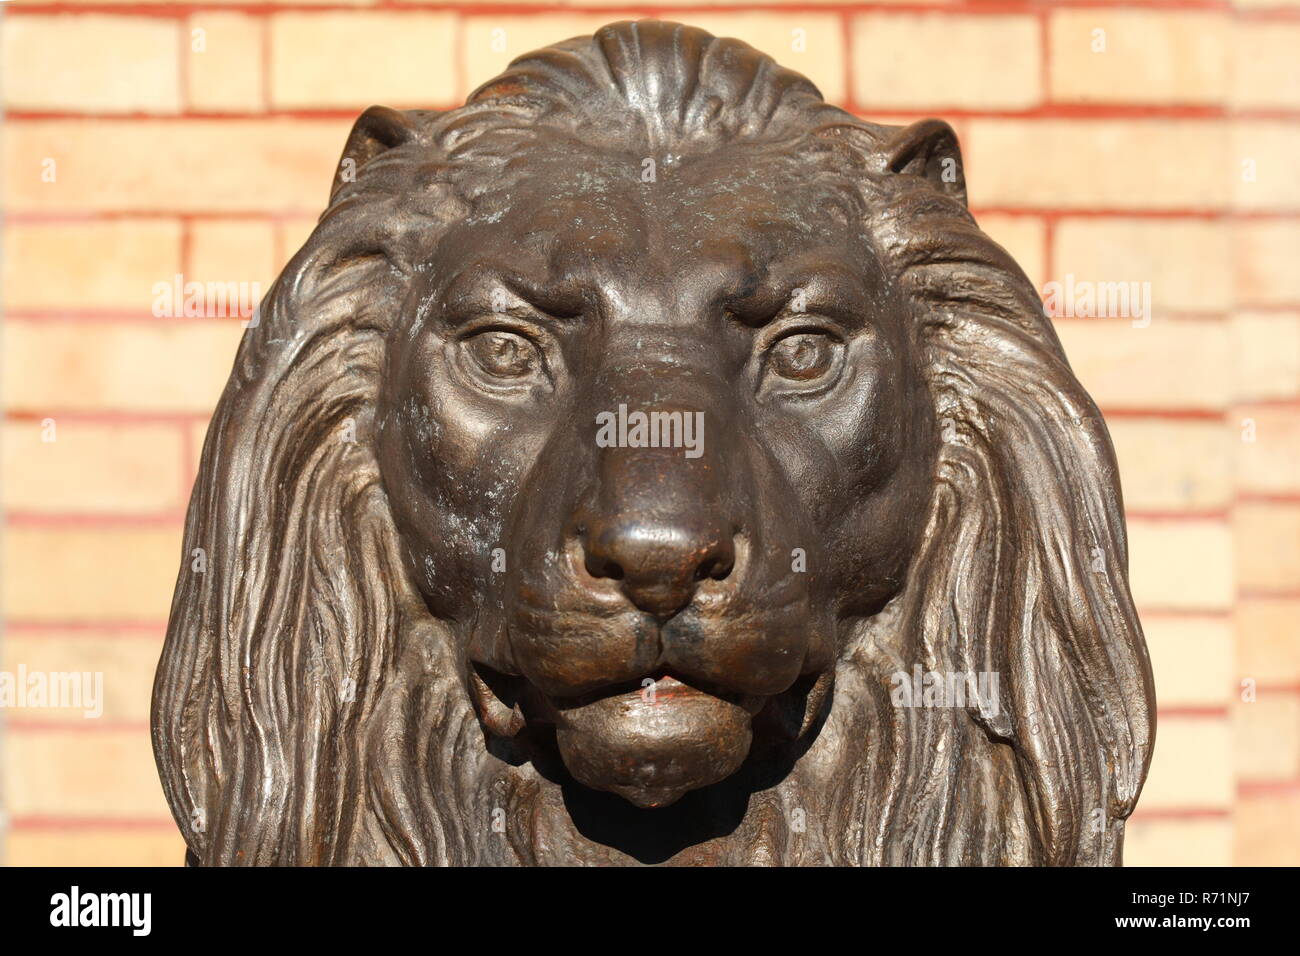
x: 717, y: 564
x: 599, y: 567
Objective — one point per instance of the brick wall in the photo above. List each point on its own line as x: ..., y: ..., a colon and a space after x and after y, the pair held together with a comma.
x: 149, y: 139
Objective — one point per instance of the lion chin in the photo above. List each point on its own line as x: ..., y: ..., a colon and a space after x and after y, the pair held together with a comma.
x: 651, y: 746
x: 461, y: 607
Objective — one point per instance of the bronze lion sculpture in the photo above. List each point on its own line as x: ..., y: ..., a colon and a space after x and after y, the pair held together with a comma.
x: 649, y: 462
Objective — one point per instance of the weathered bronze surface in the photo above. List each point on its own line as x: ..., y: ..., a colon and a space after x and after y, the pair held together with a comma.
x: 864, y: 600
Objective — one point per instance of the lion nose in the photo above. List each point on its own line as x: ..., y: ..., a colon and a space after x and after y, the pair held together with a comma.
x: 658, y: 565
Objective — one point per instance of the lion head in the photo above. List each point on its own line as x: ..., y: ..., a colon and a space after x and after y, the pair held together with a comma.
x: 601, y: 478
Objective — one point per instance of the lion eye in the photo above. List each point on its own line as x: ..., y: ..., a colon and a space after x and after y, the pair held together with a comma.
x: 803, y: 357
x: 504, y: 354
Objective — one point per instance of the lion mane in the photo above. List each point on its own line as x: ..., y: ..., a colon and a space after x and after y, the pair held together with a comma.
x: 308, y: 708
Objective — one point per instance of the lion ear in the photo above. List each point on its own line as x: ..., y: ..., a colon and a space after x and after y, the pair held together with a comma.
x: 928, y: 148
x: 376, y: 131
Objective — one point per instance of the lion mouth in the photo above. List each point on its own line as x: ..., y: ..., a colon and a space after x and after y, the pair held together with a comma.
x: 649, y: 741
x: 654, y: 744
x: 664, y: 687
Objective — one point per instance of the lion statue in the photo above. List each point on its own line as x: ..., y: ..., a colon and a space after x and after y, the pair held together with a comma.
x: 648, y: 462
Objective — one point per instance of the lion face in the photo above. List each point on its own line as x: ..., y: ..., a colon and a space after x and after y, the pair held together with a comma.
x: 657, y: 608
x: 626, y: 433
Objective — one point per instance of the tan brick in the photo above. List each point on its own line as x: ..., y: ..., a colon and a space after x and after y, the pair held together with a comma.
x: 1268, y: 640
x: 1171, y: 465
x: 1191, y: 658
x: 85, y: 773
x: 1265, y: 254
x: 262, y: 166
x: 1271, y: 463
x: 175, y: 366
x: 1263, y: 65
x: 1146, y: 56
x: 1170, y: 364
x: 1188, y: 263
x: 984, y: 62
x: 1182, y: 565
x: 1266, y: 539
x: 1266, y: 162
x: 1023, y: 237
x: 89, y: 265
x: 1177, y: 842
x: 127, y: 664
x: 1268, y: 829
x: 1191, y: 767
x: 1266, y: 353
x: 226, y: 75
x: 232, y: 251
x: 1083, y: 164
x: 1267, y: 736
x: 90, y: 574
x: 92, y: 468
x: 359, y: 59
x: 86, y: 63
x: 159, y: 845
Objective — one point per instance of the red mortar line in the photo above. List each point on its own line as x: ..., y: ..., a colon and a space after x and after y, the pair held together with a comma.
x: 1180, y: 813
x: 123, y: 417
x: 124, y: 316
x: 1045, y: 52
x: 94, y: 520
x: 460, y: 71
x: 1269, y: 498
x: 75, y: 725
x: 846, y: 50
x: 110, y: 417
x: 1173, y: 515
x: 1046, y: 111
x: 1061, y: 212
x: 1207, y: 712
x: 1263, y: 788
x: 491, y: 8
x: 1275, y: 688
x: 122, y: 628
x: 264, y: 55
x: 103, y: 519
x: 1292, y: 403
x: 1185, y: 613
x: 330, y: 114
x: 1158, y: 610
x: 93, y: 314
x: 1267, y: 594
x: 1100, y: 212
x: 55, y: 822
x: 1167, y: 414
x: 132, y: 215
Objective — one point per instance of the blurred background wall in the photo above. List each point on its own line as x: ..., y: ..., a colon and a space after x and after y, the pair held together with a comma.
x: 1147, y: 142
